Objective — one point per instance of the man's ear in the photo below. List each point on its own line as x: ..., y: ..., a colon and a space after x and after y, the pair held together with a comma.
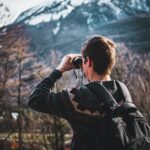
x: 85, y: 60
x: 90, y: 61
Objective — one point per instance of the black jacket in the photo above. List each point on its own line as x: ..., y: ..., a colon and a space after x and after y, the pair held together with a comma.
x: 81, y: 107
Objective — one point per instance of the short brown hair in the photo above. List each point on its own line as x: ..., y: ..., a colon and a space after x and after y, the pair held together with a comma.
x: 102, y: 51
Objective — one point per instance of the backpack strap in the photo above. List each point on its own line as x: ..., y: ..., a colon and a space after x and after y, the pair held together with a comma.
x: 124, y: 91
x: 126, y: 96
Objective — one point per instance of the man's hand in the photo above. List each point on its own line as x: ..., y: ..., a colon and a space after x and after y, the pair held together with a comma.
x: 66, y: 63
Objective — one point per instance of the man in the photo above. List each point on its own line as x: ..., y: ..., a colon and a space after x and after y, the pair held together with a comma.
x: 81, y: 107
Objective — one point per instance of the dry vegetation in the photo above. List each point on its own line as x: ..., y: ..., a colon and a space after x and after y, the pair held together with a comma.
x: 133, y: 69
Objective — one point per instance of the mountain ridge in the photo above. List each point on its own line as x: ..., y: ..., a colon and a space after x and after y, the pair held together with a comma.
x: 67, y: 33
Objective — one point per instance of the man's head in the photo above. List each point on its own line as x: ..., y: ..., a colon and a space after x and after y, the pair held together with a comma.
x: 101, y: 52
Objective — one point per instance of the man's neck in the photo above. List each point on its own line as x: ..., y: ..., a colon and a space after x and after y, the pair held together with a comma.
x: 96, y: 77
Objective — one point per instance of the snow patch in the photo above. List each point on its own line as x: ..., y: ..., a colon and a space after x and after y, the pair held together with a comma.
x: 55, y: 30
x: 39, y: 19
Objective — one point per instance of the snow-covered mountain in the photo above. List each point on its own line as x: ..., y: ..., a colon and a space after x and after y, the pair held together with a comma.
x: 64, y: 24
x: 92, y: 10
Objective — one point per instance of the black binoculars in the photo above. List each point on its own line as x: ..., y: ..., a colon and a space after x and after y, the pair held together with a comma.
x: 77, y: 62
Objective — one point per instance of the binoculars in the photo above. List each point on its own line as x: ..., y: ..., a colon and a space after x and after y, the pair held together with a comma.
x: 77, y: 62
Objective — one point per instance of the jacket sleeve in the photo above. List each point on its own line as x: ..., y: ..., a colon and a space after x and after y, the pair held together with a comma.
x: 43, y: 100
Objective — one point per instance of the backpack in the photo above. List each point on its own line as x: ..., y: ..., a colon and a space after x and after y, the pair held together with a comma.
x: 123, y: 127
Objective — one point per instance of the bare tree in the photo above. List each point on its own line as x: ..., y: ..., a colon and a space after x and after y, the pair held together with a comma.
x: 133, y: 69
x: 13, y: 52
